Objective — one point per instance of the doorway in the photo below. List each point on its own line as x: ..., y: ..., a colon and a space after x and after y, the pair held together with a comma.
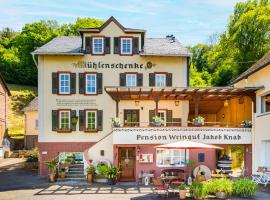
x: 127, y: 163
x: 131, y: 118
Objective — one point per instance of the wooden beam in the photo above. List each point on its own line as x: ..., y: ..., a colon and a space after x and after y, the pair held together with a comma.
x: 196, y: 101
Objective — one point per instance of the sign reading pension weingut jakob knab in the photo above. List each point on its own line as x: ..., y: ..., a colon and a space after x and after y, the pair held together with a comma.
x: 168, y: 135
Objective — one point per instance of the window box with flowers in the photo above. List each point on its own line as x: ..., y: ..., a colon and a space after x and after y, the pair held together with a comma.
x: 198, y: 121
x: 116, y: 122
x: 246, y: 124
x: 157, y: 121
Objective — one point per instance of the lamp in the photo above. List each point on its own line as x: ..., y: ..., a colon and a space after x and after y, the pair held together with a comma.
x: 137, y: 103
x: 226, y: 103
x: 176, y: 103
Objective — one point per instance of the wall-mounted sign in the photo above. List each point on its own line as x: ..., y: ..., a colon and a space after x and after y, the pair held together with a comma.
x: 168, y: 135
x: 146, y: 158
x: 76, y: 102
x: 116, y: 66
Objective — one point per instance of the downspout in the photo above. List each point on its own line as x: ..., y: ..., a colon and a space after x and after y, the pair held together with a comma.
x: 188, y: 71
x: 34, y: 59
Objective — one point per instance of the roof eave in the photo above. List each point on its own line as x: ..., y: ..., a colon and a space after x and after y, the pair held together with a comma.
x: 57, y: 53
x: 166, y: 55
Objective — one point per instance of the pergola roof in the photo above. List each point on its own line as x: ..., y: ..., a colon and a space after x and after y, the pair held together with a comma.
x: 178, y: 93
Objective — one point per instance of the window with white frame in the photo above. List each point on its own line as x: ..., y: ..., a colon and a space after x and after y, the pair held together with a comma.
x: 170, y: 157
x: 131, y: 80
x: 266, y: 103
x: 91, y: 84
x: 64, y: 83
x: 64, y: 120
x: 160, y: 80
x: 162, y: 115
x: 126, y: 45
x: 91, y: 120
x: 98, y: 45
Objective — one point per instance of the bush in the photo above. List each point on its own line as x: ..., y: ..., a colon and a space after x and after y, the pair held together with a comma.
x: 33, y: 156
x: 199, y: 190
x: 244, y: 188
x: 220, y: 185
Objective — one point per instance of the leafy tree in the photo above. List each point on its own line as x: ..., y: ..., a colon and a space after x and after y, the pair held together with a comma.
x: 199, y: 79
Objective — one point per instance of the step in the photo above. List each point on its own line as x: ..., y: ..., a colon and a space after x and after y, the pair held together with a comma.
x: 75, y: 172
x: 75, y: 175
x: 76, y: 169
x: 72, y: 179
x: 76, y: 166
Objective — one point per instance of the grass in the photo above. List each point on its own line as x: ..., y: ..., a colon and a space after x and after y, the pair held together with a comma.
x: 20, y: 97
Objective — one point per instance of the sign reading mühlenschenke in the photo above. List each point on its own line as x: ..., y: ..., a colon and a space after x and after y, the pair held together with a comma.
x: 101, y: 65
x: 168, y: 135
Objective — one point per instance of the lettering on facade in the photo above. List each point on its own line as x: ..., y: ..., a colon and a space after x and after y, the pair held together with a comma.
x: 76, y: 102
x: 101, y: 65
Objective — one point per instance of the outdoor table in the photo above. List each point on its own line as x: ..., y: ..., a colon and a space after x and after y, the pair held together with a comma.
x: 168, y: 179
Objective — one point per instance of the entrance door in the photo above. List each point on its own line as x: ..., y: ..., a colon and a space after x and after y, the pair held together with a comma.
x: 127, y: 163
x: 131, y: 117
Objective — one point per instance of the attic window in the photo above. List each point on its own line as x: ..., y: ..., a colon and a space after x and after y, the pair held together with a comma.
x: 126, y: 46
x: 98, y: 45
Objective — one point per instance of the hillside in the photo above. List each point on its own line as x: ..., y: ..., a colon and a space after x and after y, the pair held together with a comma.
x: 20, y: 97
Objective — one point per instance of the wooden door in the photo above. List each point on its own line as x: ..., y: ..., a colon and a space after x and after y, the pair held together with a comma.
x: 131, y: 117
x: 127, y: 163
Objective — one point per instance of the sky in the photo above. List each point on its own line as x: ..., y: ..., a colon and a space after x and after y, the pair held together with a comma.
x: 191, y: 21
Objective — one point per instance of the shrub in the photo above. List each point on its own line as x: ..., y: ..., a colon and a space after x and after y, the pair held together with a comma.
x: 33, y: 156
x: 199, y: 190
x: 244, y: 188
x: 220, y: 185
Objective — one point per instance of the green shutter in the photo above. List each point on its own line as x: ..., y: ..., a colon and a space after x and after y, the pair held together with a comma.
x: 169, y: 118
x: 169, y: 80
x: 100, y: 120
x: 151, y: 115
x: 122, y: 79
x: 116, y: 48
x: 107, y: 45
x: 73, y: 83
x: 151, y: 79
x: 135, y: 45
x: 88, y: 45
x: 55, y: 83
x: 55, y: 120
x: 81, y: 83
x: 140, y: 80
x: 99, y: 83
x: 82, y: 120
x: 73, y: 115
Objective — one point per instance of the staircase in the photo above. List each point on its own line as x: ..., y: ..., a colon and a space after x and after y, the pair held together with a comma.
x: 75, y: 173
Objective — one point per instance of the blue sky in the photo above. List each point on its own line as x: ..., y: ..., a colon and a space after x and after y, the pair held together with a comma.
x: 191, y: 21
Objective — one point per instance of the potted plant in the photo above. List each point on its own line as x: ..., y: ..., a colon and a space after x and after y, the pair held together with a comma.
x: 67, y: 162
x: 157, y: 121
x: 196, y: 189
x: 190, y: 165
x: 74, y: 120
x: 198, y: 121
x: 244, y: 188
x: 182, y: 191
x: 246, y: 124
x: 62, y: 174
x: 116, y: 122
x: 90, y: 170
x: 51, y: 164
x: 221, y: 187
x: 111, y: 174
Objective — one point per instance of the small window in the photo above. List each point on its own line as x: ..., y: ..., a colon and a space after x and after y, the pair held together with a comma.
x: 98, y: 45
x: 266, y: 103
x: 162, y: 115
x: 170, y: 158
x: 64, y: 120
x: 36, y: 124
x: 131, y: 80
x: 91, y: 120
x: 64, y: 83
x: 126, y: 46
x: 90, y: 84
x: 160, y: 80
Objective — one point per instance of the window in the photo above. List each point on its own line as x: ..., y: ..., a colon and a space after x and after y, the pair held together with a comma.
x: 90, y: 84
x: 126, y: 45
x: 64, y: 121
x: 36, y: 124
x: 162, y: 115
x: 98, y: 45
x: 266, y: 103
x: 131, y: 80
x: 160, y: 80
x: 91, y: 120
x: 265, y: 158
x: 170, y: 157
x: 64, y: 83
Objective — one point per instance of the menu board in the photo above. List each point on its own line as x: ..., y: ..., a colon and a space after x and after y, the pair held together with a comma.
x: 146, y: 158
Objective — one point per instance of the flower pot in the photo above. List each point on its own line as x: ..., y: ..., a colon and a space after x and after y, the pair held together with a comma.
x: 197, y: 123
x: 51, y: 178
x: 111, y: 181
x: 156, y: 123
x: 116, y: 124
x: 221, y: 195
x: 200, y: 178
x: 182, y: 194
x: 62, y: 176
x: 90, y: 178
x: 247, y: 126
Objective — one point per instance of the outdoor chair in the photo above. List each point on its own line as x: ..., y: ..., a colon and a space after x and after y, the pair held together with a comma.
x: 159, y: 187
x: 263, y: 179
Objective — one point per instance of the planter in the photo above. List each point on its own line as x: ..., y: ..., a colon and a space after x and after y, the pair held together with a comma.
x: 51, y: 178
x: 247, y: 126
x: 221, y: 195
x: 197, y: 123
x: 62, y: 176
x: 200, y: 178
x: 156, y: 123
x: 90, y: 178
x: 112, y: 181
x: 182, y: 194
x: 116, y: 124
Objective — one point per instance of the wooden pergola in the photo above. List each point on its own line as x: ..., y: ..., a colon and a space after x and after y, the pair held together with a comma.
x: 195, y: 94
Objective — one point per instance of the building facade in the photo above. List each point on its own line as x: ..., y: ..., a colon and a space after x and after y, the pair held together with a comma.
x: 116, y: 72
x: 258, y: 76
x: 31, y: 124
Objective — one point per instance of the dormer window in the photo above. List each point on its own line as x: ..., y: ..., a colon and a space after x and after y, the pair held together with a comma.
x: 126, y: 46
x: 98, y: 45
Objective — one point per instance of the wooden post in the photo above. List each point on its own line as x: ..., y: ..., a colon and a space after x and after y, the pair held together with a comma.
x: 117, y: 107
x: 196, y: 101
x: 156, y: 101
